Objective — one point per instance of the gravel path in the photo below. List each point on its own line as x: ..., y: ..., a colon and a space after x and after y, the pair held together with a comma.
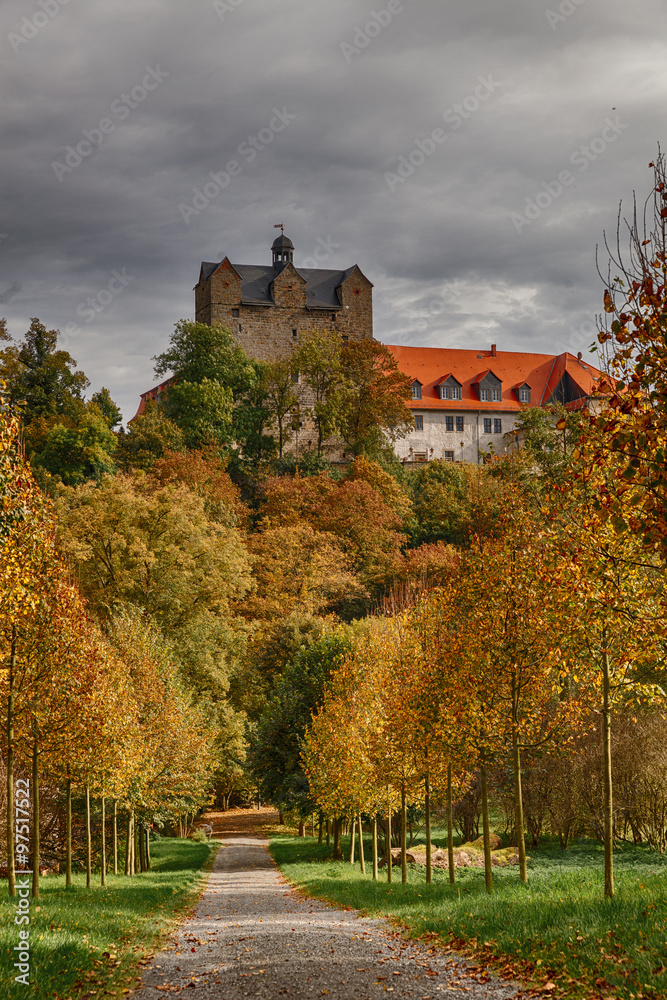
x: 254, y: 936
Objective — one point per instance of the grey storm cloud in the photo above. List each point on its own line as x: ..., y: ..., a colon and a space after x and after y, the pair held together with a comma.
x: 468, y: 156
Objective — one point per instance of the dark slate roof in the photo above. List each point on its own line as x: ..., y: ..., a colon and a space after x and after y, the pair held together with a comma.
x: 321, y: 284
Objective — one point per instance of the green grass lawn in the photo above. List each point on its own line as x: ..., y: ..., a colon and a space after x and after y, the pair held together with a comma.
x: 84, y: 942
x: 557, y: 929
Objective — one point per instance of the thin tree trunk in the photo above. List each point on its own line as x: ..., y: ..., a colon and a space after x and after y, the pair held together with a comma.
x: 11, y: 874
x: 328, y: 832
x: 427, y: 804
x: 136, y: 849
x: 608, y: 791
x: 35, y: 820
x: 337, y: 826
x: 321, y: 829
x: 390, y: 860
x: 375, y: 847
x: 518, y: 797
x: 450, y: 827
x: 352, y: 828
x: 128, y: 843
x: 68, y: 836
x: 103, y: 876
x: 362, y: 860
x: 488, y: 872
x: 88, y: 837
x: 142, y: 855
x: 148, y: 847
x: 404, y: 828
x: 302, y: 827
x: 115, y: 836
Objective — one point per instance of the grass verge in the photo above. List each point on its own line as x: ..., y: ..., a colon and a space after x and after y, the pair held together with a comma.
x: 90, y: 942
x: 558, y: 932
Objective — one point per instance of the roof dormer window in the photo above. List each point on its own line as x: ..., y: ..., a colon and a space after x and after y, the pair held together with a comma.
x: 522, y: 390
x: 488, y: 386
x: 416, y: 390
x: 448, y: 388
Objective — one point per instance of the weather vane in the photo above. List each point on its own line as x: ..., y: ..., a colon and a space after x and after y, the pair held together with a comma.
x: 280, y: 227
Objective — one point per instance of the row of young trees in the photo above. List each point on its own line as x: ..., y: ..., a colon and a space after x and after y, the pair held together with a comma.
x: 99, y: 709
x: 545, y: 627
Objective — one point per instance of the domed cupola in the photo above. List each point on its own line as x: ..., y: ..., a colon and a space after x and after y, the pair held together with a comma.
x: 283, y: 250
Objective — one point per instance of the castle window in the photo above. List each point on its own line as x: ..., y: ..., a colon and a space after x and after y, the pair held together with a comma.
x: 345, y: 338
x: 295, y: 334
x: 445, y: 392
x: 459, y: 423
x: 497, y: 426
x: 524, y: 395
x: 235, y: 313
x: 484, y: 395
x: 333, y: 317
x: 449, y: 423
x: 357, y: 292
x: 419, y: 422
x: 416, y: 390
x: 496, y: 395
x: 449, y: 456
x: 456, y: 392
x: 487, y: 425
x: 239, y: 328
x: 295, y: 380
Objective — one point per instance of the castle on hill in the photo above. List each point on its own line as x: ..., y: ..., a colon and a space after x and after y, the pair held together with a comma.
x: 464, y: 401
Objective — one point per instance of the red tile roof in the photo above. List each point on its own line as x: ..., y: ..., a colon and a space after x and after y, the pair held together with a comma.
x: 542, y: 372
x: 154, y: 393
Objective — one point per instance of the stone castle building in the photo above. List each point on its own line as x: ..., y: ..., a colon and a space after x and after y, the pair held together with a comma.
x: 267, y: 307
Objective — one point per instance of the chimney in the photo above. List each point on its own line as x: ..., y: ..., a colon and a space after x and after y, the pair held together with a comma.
x: 493, y: 350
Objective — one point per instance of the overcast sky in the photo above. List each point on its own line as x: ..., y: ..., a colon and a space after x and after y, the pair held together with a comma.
x: 467, y: 155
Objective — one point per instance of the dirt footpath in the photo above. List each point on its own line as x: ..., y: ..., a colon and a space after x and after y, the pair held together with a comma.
x: 254, y: 936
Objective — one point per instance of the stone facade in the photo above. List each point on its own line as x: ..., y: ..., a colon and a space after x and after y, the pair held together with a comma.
x: 434, y: 439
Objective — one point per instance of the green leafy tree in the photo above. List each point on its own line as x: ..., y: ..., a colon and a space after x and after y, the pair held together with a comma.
x: 281, y: 398
x: 43, y: 380
x: 77, y: 454
x: 217, y: 393
x: 109, y: 410
x: 197, y: 352
x: 276, y: 740
x: 202, y: 411
x: 317, y: 361
x: 148, y: 438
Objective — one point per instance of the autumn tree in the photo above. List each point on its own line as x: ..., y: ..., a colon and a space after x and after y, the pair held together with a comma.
x: 610, y: 592
x: 27, y: 555
x: 632, y: 415
x: 373, y: 411
x: 157, y: 545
